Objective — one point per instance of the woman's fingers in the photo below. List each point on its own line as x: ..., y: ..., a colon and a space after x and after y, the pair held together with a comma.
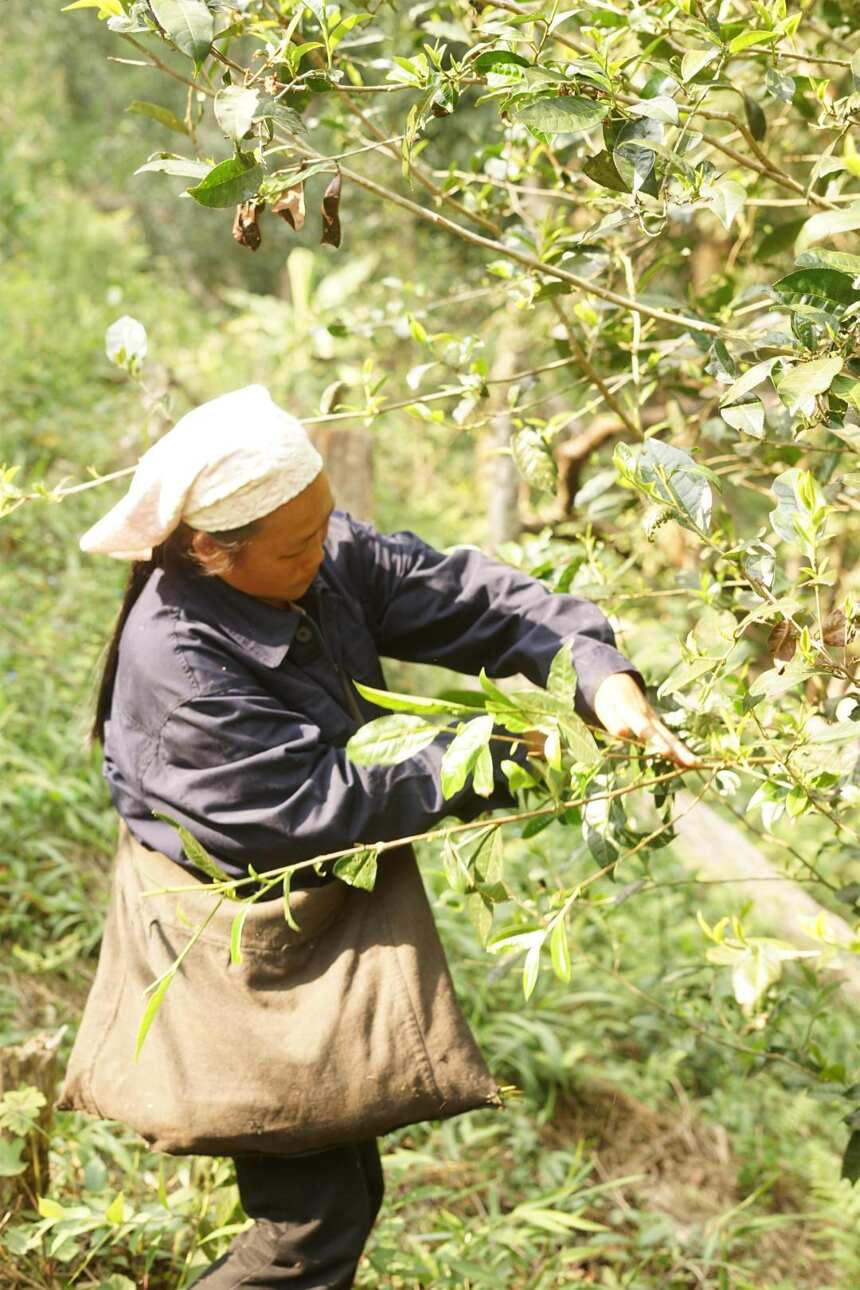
x: 647, y: 728
x: 659, y: 739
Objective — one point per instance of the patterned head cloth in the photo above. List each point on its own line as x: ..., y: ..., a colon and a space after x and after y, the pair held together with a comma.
x: 225, y: 463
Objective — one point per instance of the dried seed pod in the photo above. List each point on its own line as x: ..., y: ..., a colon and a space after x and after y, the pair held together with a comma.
x: 246, y: 227
x: 331, y: 213
x: 291, y: 206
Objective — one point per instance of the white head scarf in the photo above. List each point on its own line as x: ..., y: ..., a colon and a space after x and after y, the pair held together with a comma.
x: 225, y: 463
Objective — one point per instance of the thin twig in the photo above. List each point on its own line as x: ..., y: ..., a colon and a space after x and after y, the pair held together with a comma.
x: 155, y: 61
x: 521, y: 257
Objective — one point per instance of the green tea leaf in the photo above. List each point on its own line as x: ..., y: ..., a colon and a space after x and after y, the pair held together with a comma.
x: 531, y: 967
x: 748, y: 38
x: 552, y: 750
x: 395, y: 702
x: 847, y: 388
x: 230, y: 182
x: 358, y: 869
x: 657, y: 108
x: 634, y: 150
x: 155, y: 1001
x: 496, y: 60
x: 462, y: 753
x: 726, y: 198
x: 480, y: 914
x: 826, y: 224
x: 752, y: 377
x: 534, y: 459
x: 288, y: 913
x: 456, y: 868
x: 176, y: 166
x: 197, y: 854
x: 570, y: 115
x: 156, y: 112
x: 799, y: 386
x: 236, y: 928
x: 561, y: 680
x: 579, y: 740
x: 601, y: 169
x: 821, y: 258
x: 491, y: 862
x: 821, y: 287
x: 235, y: 107
x: 756, y: 119
x: 188, y: 23
x: 695, y: 60
x: 847, y: 432
x: 746, y: 417
x: 106, y: 8
x: 483, y: 777
x: 387, y: 741
x: 560, y: 951
x: 671, y: 475
x: 500, y: 699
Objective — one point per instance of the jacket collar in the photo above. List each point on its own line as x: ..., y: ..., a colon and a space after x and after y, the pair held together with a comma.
x: 261, y: 630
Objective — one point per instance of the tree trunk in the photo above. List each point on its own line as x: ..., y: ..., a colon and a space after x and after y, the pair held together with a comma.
x: 715, y: 848
x: 348, y: 456
x: 503, y: 494
x: 32, y: 1063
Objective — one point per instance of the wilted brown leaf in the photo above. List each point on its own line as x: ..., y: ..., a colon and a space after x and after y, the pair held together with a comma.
x: 291, y: 206
x: 246, y: 227
x: 836, y: 629
x: 331, y: 213
x: 782, y: 641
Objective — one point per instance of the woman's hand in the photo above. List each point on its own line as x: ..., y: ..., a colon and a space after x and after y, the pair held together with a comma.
x: 623, y: 710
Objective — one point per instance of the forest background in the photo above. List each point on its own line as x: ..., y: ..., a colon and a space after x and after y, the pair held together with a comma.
x: 642, y: 385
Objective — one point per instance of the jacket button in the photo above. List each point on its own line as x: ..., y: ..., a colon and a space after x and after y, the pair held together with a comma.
x: 304, y: 634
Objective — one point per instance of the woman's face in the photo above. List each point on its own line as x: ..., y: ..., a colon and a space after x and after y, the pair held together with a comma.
x: 281, y: 561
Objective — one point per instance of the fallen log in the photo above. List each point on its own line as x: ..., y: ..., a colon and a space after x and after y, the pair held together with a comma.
x: 713, y: 847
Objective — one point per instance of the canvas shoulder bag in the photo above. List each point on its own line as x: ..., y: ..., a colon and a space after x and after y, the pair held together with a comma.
x: 344, y: 1030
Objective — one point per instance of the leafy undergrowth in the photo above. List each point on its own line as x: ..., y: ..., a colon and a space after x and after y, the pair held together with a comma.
x: 636, y: 1155
x: 641, y: 1152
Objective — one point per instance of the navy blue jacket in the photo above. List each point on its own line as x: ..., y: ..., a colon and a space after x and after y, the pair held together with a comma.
x: 231, y: 715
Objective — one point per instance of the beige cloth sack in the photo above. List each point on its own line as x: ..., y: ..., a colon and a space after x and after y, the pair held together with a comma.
x: 342, y: 1031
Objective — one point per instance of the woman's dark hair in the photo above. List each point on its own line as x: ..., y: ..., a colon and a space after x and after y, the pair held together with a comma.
x: 228, y: 543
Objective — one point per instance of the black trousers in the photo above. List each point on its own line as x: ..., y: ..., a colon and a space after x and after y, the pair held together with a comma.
x: 313, y: 1215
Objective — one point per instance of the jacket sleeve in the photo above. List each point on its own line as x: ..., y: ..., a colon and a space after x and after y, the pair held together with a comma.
x: 257, y: 783
x: 466, y: 611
